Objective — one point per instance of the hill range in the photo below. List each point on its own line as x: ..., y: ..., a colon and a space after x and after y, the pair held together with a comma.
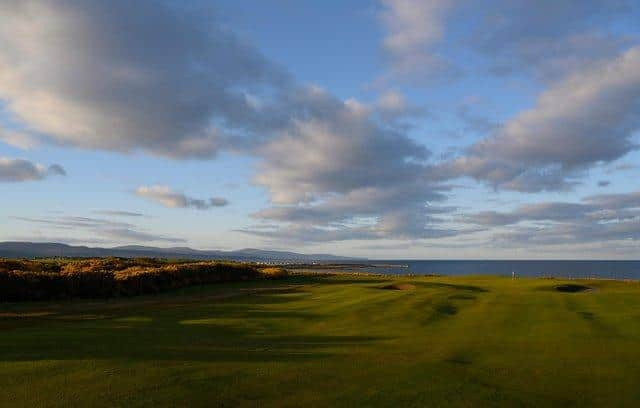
x: 51, y: 249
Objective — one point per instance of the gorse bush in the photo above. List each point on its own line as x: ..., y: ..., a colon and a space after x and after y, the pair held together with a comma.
x: 109, y: 264
x: 8, y: 265
x: 274, y: 272
x: 111, y: 277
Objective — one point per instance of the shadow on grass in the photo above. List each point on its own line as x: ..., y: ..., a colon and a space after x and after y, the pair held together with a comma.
x: 334, y: 279
x: 239, y: 329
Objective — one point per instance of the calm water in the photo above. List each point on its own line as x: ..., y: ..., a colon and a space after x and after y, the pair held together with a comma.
x: 571, y: 269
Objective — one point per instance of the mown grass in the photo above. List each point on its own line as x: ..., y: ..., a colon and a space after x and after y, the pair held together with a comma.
x: 330, y: 341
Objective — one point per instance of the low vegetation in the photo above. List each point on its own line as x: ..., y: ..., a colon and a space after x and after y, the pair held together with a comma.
x: 113, y: 277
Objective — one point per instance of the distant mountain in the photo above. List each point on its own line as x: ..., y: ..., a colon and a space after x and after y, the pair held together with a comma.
x: 46, y: 249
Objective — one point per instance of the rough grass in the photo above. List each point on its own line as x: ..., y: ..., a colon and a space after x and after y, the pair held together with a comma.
x: 330, y: 341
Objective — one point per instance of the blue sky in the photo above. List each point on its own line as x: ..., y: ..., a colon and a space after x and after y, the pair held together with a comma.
x: 386, y: 129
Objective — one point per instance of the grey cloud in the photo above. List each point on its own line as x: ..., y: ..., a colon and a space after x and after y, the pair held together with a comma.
x: 615, y: 201
x: 128, y: 76
x: 125, y: 234
x: 57, y: 170
x: 591, y: 208
x: 399, y: 212
x: 545, y: 38
x: 550, y: 38
x: 598, y: 218
x: 18, y: 170
x: 413, y: 30
x: 573, y: 234
x: 102, y: 230
x: 338, y: 167
x: 391, y: 108
x: 218, y: 202
x: 604, y: 183
x: 303, y: 234
x: 584, y: 120
x: 554, y: 211
x: 39, y: 237
x: 144, y: 76
x: 19, y: 139
x: 73, y: 221
x: 171, y: 199
x: 120, y: 213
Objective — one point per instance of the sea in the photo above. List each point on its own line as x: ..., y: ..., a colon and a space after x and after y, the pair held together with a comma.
x: 559, y: 269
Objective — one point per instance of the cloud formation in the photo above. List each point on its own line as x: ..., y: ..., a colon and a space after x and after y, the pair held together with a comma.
x: 97, y: 77
x: 597, y: 218
x: 586, y: 119
x: 17, y: 139
x: 171, y: 199
x: 339, y: 167
x: 18, y: 170
x: 413, y: 30
x: 155, y: 77
x: 99, y: 229
x: 120, y: 213
x: 548, y: 38
x: 127, y: 76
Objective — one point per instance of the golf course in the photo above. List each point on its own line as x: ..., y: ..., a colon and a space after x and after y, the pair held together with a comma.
x: 330, y: 340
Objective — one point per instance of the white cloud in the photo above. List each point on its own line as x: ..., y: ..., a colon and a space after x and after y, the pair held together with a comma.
x: 21, y: 140
x: 339, y: 166
x: 414, y: 28
x: 584, y: 120
x: 126, y: 76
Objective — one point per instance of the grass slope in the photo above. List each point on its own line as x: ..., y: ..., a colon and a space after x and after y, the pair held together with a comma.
x: 330, y: 341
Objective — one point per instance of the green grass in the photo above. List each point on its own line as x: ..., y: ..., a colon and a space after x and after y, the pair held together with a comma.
x: 330, y: 341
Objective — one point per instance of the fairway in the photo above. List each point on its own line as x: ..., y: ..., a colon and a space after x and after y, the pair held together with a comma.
x: 336, y: 340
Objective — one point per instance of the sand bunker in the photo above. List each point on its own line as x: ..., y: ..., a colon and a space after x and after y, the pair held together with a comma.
x: 572, y: 288
x: 399, y: 286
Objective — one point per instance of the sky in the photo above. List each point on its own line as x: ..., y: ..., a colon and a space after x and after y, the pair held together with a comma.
x: 388, y: 129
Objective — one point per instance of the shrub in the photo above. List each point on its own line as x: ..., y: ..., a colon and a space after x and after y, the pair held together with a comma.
x: 274, y: 272
x: 28, y: 285
x: 8, y: 265
x: 109, y: 277
x: 99, y: 264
